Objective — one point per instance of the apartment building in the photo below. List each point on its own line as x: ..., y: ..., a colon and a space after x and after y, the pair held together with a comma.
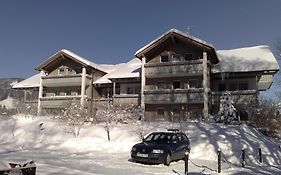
x: 175, y: 77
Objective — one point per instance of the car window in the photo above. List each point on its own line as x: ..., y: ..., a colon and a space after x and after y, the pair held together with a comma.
x: 159, y: 138
x: 184, y: 137
x: 149, y: 138
x: 180, y: 137
x: 174, y: 139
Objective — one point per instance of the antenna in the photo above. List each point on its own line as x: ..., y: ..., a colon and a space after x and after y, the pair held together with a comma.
x: 188, y: 29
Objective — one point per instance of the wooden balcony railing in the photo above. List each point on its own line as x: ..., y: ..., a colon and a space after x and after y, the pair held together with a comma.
x: 174, y: 69
x: 238, y: 97
x: 64, y: 80
x: 168, y: 96
x: 59, y: 101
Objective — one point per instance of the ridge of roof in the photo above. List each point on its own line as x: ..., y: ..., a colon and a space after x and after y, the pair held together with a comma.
x: 74, y: 56
x: 187, y: 35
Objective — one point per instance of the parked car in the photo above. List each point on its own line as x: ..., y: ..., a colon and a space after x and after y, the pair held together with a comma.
x: 161, y: 147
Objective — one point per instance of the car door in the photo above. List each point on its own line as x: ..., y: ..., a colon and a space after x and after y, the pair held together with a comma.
x: 174, y: 147
x: 182, y: 145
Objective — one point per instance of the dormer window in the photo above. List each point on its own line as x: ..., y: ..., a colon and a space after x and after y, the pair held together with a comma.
x: 164, y: 58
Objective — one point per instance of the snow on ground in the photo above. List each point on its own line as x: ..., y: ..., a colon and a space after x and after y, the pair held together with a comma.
x: 55, y: 151
x: 8, y: 103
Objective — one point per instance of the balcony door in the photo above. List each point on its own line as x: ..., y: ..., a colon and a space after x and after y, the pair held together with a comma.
x: 176, y: 114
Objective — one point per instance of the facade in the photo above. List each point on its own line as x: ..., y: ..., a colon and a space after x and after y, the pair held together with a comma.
x: 175, y: 77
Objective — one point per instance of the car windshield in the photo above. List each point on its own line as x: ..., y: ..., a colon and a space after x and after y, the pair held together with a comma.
x: 159, y: 138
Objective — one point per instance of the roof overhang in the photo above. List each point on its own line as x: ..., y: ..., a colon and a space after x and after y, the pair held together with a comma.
x: 66, y: 54
x: 174, y: 35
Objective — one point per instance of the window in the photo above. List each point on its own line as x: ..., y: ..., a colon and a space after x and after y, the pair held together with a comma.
x: 133, y: 90
x: 243, y: 86
x: 176, y: 58
x: 193, y: 84
x: 176, y: 84
x: 222, y: 87
x: 160, y: 85
x: 79, y: 92
x: 78, y: 70
x: 164, y: 58
x: 61, y: 71
x: 69, y: 71
x: 160, y: 114
x: 232, y: 86
x: 57, y: 93
x: 67, y: 92
x: 188, y: 56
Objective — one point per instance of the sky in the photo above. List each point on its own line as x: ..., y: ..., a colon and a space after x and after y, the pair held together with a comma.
x: 110, y: 32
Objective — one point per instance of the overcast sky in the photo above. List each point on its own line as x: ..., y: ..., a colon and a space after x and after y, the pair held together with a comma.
x: 111, y: 31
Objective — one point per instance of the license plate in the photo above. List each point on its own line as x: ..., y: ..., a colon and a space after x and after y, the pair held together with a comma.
x: 142, y: 155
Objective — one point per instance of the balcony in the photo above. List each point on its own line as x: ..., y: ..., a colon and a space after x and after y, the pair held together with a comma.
x: 190, y: 68
x: 58, y: 101
x: 238, y: 97
x: 64, y: 80
x: 127, y: 99
x: 168, y: 96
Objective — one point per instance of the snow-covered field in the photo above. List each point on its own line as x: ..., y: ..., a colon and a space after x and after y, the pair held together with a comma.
x: 56, y: 151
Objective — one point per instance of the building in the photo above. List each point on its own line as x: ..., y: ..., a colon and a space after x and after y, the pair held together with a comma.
x: 174, y: 77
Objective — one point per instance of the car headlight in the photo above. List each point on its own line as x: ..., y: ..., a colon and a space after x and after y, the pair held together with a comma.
x: 134, y: 149
x: 157, y: 151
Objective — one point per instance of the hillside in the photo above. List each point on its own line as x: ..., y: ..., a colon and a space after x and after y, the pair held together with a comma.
x: 6, y: 89
x: 56, y: 151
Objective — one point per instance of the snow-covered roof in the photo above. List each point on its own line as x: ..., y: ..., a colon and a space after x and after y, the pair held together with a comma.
x: 75, y: 57
x: 175, y: 31
x: 130, y: 69
x: 257, y: 58
x: 103, y: 80
x: 30, y: 82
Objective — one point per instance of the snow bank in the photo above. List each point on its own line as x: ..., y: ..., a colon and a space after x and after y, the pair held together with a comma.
x: 205, y: 139
x: 8, y: 103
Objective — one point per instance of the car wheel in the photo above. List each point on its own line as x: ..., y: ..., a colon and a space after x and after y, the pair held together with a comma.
x: 167, y: 159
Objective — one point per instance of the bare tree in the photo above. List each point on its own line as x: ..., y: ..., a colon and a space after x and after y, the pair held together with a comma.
x: 76, y: 116
x: 266, y: 117
x: 12, y: 124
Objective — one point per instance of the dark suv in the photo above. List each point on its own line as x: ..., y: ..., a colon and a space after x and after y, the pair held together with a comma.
x: 161, y: 147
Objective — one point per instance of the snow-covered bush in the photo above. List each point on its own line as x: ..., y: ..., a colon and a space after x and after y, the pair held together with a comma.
x: 76, y: 116
x: 227, y: 113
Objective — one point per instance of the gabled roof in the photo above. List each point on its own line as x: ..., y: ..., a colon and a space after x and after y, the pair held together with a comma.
x: 74, y: 57
x: 165, y: 36
x: 257, y: 58
x: 30, y: 82
x: 130, y: 69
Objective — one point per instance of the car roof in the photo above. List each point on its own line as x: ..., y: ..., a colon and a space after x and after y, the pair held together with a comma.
x: 166, y: 132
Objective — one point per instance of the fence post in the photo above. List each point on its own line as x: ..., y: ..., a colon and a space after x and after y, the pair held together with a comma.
x: 186, y: 155
x: 260, y: 155
x: 243, y: 157
x: 219, y: 161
